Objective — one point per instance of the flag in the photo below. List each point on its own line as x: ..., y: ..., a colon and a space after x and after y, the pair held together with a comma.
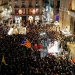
x: 3, y: 60
x: 23, y: 41
x: 20, y: 73
x: 26, y: 43
x: 70, y: 6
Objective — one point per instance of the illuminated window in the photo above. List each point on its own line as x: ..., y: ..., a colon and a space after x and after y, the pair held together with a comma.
x: 37, y: 18
x: 30, y: 11
x: 37, y: 11
x: 33, y: 11
x: 20, y: 11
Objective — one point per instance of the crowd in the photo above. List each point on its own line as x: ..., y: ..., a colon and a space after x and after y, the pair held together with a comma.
x: 21, y: 60
x: 3, y: 28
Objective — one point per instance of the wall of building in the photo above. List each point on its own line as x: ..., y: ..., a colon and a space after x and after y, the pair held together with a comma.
x: 72, y: 17
x: 56, y: 8
x: 64, y: 17
x: 28, y: 9
x: 4, y: 10
x: 67, y: 15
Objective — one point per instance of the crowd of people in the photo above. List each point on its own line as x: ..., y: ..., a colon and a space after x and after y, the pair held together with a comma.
x: 3, y: 28
x: 21, y: 60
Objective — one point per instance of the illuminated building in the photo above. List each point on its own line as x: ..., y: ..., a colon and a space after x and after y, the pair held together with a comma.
x: 27, y: 10
x: 67, y: 15
x: 4, y: 8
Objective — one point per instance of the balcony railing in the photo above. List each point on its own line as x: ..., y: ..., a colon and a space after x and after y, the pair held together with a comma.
x: 23, y: 6
x: 37, y: 6
x: 30, y: 6
x: 16, y: 6
x: 4, y: 4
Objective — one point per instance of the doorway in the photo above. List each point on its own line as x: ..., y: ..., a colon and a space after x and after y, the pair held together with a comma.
x: 30, y: 18
x: 23, y: 19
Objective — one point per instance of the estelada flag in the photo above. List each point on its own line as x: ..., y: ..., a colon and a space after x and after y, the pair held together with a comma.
x: 3, y: 60
x: 23, y: 42
x: 70, y: 6
x: 26, y: 43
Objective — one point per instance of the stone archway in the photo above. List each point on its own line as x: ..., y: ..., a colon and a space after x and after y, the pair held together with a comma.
x: 30, y: 19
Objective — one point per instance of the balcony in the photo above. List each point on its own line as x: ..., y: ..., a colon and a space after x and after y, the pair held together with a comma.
x: 30, y: 6
x: 37, y: 6
x: 23, y: 6
x: 4, y: 4
x: 16, y: 6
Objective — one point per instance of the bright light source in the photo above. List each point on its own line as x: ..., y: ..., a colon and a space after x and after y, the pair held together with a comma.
x: 43, y: 33
x: 10, y: 32
x: 56, y: 23
x: 53, y: 48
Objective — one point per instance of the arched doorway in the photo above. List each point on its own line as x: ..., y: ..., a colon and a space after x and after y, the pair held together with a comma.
x: 30, y: 19
x: 37, y: 18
